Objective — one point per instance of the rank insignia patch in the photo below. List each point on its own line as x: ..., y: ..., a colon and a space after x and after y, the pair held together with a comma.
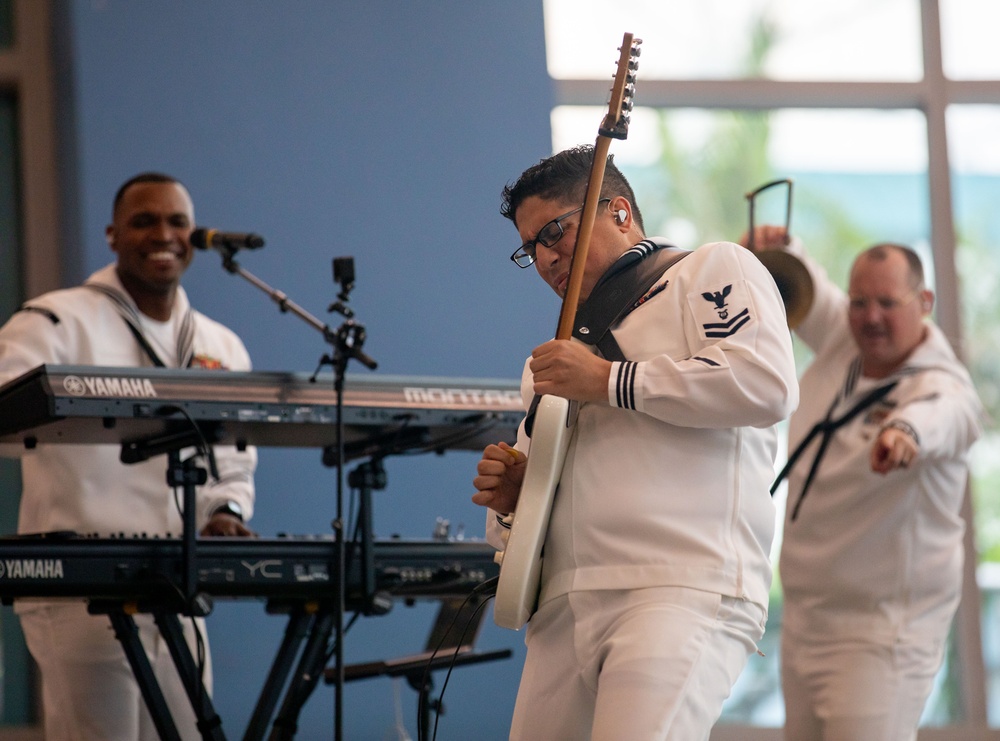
x: 723, y: 312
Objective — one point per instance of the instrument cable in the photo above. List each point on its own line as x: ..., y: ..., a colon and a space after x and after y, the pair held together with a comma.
x: 205, y: 450
x: 487, y: 590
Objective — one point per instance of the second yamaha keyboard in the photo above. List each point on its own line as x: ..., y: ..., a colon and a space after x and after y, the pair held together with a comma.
x: 148, y: 569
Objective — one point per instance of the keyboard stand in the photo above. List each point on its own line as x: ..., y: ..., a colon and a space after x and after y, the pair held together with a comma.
x: 120, y: 614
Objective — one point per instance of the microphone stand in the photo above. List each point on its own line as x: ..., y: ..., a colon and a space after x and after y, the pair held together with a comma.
x: 350, y: 338
x: 347, y: 341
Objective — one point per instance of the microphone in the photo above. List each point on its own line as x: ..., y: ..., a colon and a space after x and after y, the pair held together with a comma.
x: 205, y: 239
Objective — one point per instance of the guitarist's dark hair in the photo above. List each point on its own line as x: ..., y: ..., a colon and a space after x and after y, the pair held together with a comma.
x: 564, y: 177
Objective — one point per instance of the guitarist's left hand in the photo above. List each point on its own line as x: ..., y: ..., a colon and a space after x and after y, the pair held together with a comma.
x: 569, y: 369
x: 500, y: 472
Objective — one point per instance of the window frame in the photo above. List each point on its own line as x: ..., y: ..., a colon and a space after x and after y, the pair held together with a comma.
x: 26, y: 72
x: 26, y: 75
x: 931, y: 95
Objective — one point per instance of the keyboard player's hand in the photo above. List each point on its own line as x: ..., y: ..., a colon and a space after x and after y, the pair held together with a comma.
x: 226, y: 524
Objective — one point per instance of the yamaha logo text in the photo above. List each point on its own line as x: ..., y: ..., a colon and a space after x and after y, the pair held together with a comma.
x: 141, y: 388
x: 31, y: 568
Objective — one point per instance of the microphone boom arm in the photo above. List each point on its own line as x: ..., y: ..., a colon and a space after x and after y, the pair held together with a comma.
x: 285, y: 304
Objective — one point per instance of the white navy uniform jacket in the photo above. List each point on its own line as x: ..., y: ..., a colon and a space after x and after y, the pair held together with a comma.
x: 870, y: 555
x: 666, y: 484
x: 85, y: 488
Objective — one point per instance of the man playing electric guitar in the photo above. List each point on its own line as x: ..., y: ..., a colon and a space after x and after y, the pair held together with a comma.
x: 656, y: 570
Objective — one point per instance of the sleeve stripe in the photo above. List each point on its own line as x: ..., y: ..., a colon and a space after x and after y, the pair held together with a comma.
x: 625, y: 387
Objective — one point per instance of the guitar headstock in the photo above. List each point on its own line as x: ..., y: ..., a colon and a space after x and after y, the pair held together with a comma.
x: 616, y: 122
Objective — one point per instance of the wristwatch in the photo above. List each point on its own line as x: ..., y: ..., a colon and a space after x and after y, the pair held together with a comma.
x: 230, y: 508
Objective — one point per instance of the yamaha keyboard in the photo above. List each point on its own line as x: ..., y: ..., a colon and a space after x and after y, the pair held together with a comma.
x: 381, y: 415
x: 298, y: 573
x: 149, y: 569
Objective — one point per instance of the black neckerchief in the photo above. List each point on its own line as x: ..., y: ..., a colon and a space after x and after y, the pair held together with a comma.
x: 126, y: 309
x: 827, y: 426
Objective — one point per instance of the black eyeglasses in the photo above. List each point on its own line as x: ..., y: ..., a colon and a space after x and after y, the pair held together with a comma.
x: 547, y: 236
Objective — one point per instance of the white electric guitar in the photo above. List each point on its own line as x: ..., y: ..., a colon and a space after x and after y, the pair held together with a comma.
x: 521, y: 560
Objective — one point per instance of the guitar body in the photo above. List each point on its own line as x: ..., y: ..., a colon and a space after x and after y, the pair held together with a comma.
x: 521, y: 565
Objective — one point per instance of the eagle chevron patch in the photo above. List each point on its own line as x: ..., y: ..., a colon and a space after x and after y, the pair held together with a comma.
x: 723, y: 311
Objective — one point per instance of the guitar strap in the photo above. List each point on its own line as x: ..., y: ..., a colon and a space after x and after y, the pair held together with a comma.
x: 623, y: 288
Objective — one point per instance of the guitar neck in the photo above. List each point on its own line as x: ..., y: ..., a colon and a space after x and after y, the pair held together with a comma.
x: 571, y: 301
x: 614, y: 126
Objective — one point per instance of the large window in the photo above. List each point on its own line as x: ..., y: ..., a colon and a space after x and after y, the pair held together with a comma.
x: 884, y: 114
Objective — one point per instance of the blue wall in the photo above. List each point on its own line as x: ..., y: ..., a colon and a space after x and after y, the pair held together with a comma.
x: 379, y: 130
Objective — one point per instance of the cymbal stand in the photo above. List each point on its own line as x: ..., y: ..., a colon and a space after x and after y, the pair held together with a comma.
x: 347, y: 341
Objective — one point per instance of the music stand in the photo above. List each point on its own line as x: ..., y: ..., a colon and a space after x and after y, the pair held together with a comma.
x: 450, y: 643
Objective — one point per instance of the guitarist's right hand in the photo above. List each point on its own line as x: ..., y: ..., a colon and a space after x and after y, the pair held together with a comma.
x: 501, y: 470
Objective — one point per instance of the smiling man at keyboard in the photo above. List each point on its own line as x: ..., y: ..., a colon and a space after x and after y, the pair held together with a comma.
x: 132, y: 313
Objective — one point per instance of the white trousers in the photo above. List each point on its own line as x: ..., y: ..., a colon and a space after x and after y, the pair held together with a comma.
x: 856, y: 691
x: 644, y: 665
x: 89, y: 692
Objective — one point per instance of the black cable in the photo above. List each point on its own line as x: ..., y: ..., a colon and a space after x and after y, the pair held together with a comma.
x: 451, y: 666
x: 452, y: 440
x: 396, y: 444
x: 355, y: 517
x: 203, y: 448
x: 201, y: 652
x: 488, y: 588
x: 333, y: 646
